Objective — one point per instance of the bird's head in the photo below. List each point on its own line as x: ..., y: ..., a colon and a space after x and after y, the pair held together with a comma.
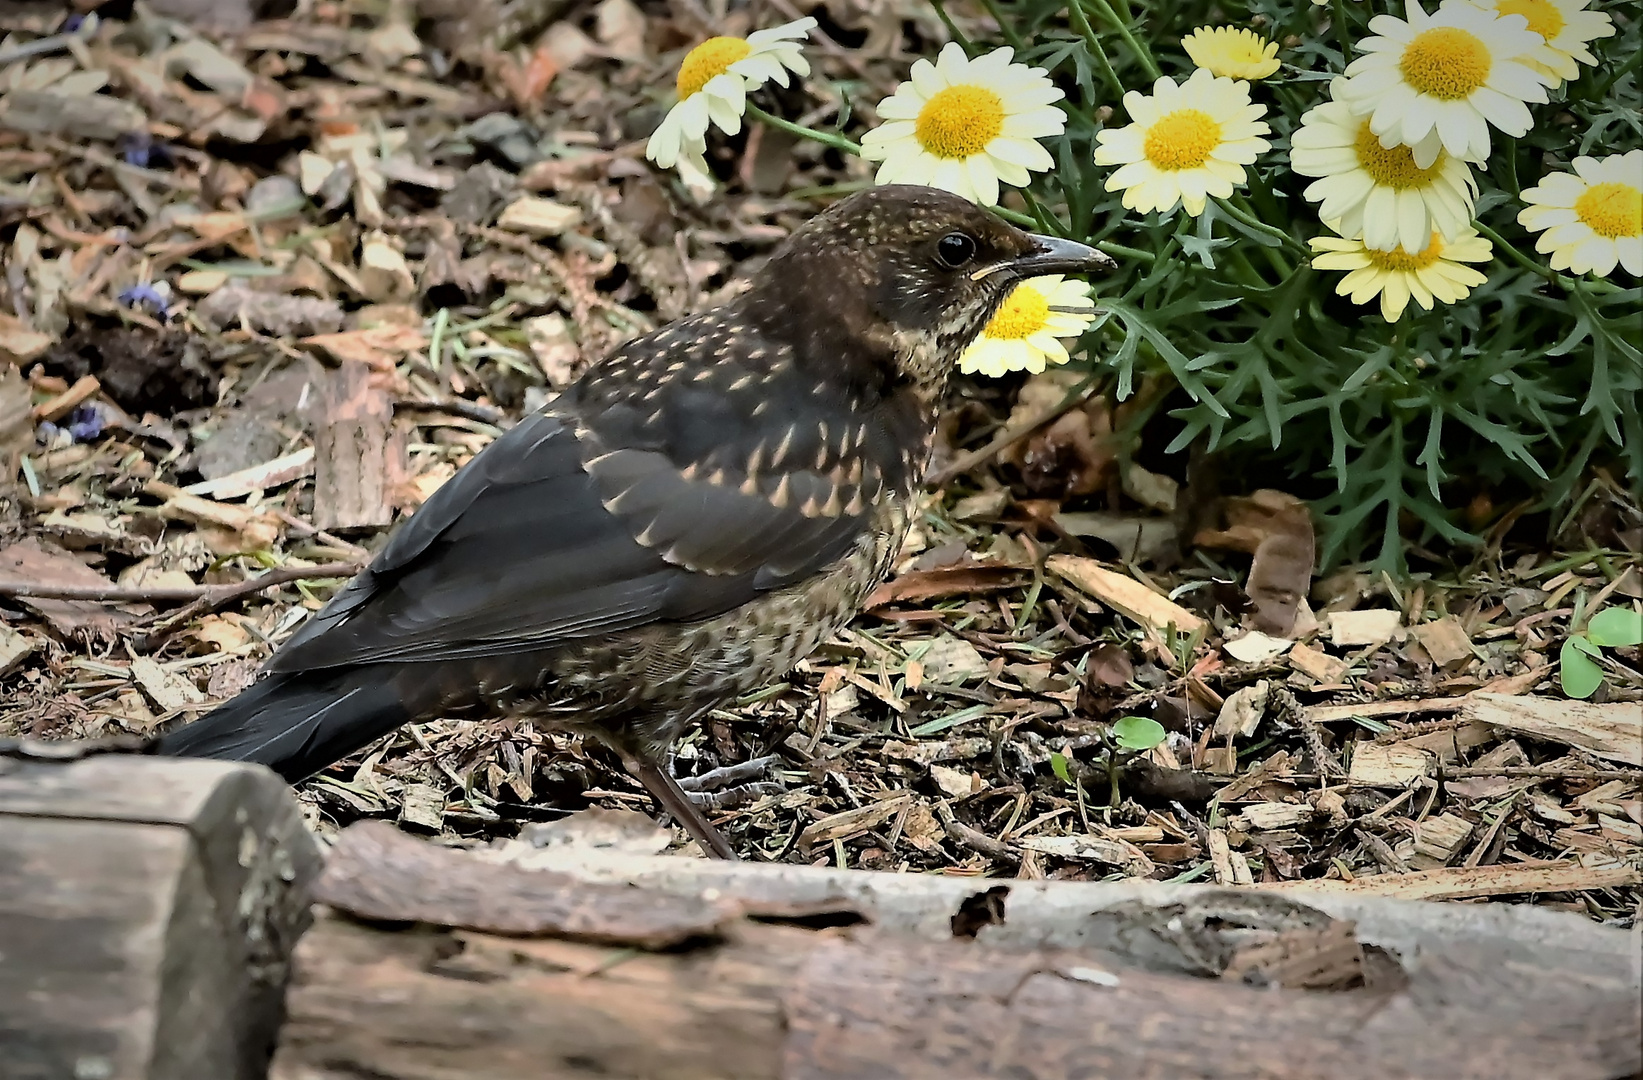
x: 894, y: 282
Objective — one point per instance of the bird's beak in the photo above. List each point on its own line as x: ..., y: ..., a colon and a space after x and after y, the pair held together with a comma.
x: 1058, y: 256
x: 1051, y: 255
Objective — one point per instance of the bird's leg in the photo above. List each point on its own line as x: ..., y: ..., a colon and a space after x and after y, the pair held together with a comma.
x: 672, y: 798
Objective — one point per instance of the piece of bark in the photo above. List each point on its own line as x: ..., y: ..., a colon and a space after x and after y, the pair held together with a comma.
x: 1281, y: 573
x: 1465, y: 882
x: 147, y: 911
x: 1441, y: 837
x: 377, y: 872
x: 1613, y: 731
x: 1062, y: 980
x: 72, y: 116
x: 1445, y: 640
x: 28, y: 561
x: 268, y: 474
x: 352, y: 478
x: 1124, y: 594
x: 1394, y: 765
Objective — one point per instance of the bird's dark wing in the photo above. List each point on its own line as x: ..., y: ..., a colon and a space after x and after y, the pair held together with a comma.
x: 580, y: 523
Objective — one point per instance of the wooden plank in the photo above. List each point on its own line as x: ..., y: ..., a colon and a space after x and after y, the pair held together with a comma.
x: 1498, y: 992
x: 147, y: 910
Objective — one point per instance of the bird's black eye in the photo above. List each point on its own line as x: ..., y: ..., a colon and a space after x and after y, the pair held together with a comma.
x: 955, y: 249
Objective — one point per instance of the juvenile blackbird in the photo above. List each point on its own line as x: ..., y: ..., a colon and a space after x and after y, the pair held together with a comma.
x: 681, y: 526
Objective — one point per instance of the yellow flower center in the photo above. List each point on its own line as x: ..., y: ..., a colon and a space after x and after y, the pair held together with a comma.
x: 1024, y: 314
x: 1394, y: 168
x: 709, y: 60
x: 1182, y: 140
x: 960, y: 121
x: 1401, y: 260
x: 1612, y: 210
x: 1544, y: 17
x: 1446, y: 63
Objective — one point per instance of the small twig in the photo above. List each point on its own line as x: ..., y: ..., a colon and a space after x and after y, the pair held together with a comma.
x: 729, y: 774
x: 1546, y: 772
x: 467, y: 410
x: 117, y: 594
x: 1381, y: 850
x: 1311, y: 734
x: 304, y: 528
x: 1009, y: 437
x: 974, y: 839
x: 713, y: 802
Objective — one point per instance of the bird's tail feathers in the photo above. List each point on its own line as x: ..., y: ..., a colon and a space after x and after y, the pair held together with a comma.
x: 297, y: 723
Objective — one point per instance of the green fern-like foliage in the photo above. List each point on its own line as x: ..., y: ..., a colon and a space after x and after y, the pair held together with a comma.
x: 1523, y: 386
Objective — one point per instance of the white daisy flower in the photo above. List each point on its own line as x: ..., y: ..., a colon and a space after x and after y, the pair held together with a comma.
x: 1438, y: 81
x: 1376, y: 192
x: 1185, y: 143
x: 1566, y: 25
x: 1435, y: 273
x: 713, y: 83
x: 1237, y: 54
x: 966, y: 125
x: 1023, y: 335
x: 1592, y: 218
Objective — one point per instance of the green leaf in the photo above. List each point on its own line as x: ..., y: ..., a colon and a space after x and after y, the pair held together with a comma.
x: 1058, y: 765
x: 1616, y: 626
x: 1138, y: 733
x: 1578, y: 671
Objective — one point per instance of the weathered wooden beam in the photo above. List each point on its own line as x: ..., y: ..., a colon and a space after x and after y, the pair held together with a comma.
x: 147, y: 911
x: 748, y: 972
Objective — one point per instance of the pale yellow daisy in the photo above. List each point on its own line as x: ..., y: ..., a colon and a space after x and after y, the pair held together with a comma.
x: 966, y: 125
x: 1436, y: 82
x: 1566, y: 25
x: 1378, y: 193
x: 1433, y: 274
x: 1237, y: 54
x: 1023, y: 335
x: 1185, y: 143
x: 1593, y: 217
x: 713, y: 83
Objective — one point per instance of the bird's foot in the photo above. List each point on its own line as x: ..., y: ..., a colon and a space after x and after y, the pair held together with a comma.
x: 673, y: 799
x: 730, y: 786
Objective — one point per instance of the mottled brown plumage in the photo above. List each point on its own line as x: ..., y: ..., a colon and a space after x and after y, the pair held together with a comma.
x: 682, y: 525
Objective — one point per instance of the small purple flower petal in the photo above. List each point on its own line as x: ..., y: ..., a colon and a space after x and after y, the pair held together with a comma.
x: 85, y: 423
x: 139, y: 295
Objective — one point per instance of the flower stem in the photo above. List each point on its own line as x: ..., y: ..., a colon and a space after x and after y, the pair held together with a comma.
x: 952, y: 27
x: 1092, y: 42
x: 826, y: 138
x: 1005, y: 26
x: 1250, y: 221
x: 1342, y: 32
x: 1142, y: 54
x: 1502, y: 247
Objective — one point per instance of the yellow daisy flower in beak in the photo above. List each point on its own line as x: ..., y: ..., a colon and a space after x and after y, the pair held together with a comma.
x: 1437, y: 82
x: 966, y: 125
x: 713, y: 83
x: 1185, y: 144
x: 1378, y: 193
x: 1024, y: 334
x: 1592, y: 218
x: 1237, y: 54
x: 1435, y: 273
x: 1566, y: 25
